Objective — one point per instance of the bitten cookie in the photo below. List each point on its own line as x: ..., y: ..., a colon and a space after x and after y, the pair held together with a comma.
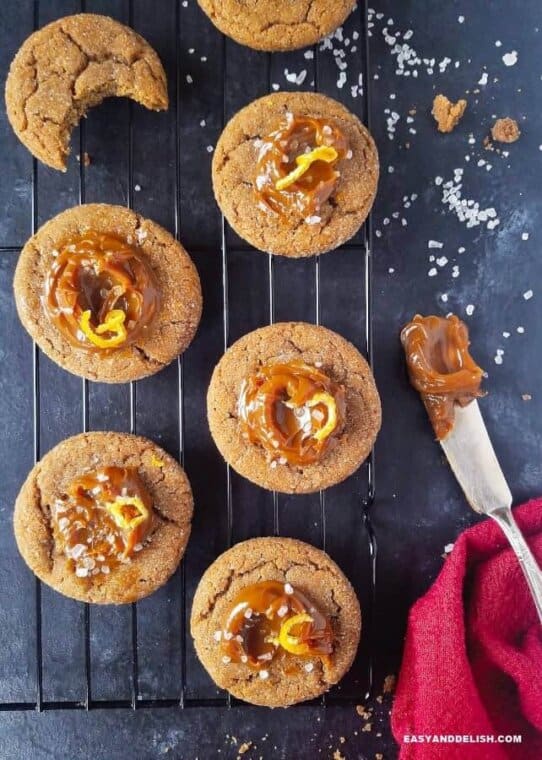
x: 293, y: 407
x: 275, y: 622
x: 295, y: 173
x: 104, y: 517
x: 107, y: 294
x: 274, y: 24
x: 71, y: 65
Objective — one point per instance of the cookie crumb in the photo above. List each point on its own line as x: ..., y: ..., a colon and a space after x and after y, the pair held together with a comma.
x: 245, y: 746
x: 338, y: 756
x: 505, y: 130
x: 379, y: 756
x: 526, y: 396
x: 389, y: 685
x: 446, y: 113
x: 86, y: 159
x: 367, y: 727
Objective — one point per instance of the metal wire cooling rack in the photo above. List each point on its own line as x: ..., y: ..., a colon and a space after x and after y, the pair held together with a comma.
x: 85, y: 670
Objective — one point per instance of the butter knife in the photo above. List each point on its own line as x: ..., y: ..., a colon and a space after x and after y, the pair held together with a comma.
x: 472, y: 459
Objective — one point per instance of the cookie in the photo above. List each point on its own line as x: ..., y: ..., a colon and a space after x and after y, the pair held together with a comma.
x: 104, y: 517
x: 275, y: 25
x: 305, y: 643
x: 69, y: 66
x: 295, y: 173
x: 107, y: 294
x: 293, y: 407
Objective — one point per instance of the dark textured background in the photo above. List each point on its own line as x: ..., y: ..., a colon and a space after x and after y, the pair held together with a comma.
x: 418, y: 508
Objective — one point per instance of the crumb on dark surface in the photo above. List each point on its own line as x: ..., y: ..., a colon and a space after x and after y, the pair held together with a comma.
x: 446, y: 113
x: 243, y: 748
x: 505, y: 130
x: 388, y: 686
x: 86, y: 159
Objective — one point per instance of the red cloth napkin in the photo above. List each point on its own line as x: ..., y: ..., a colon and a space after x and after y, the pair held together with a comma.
x: 473, y: 654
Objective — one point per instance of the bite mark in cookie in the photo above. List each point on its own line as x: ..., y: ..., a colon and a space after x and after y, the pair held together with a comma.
x: 69, y: 66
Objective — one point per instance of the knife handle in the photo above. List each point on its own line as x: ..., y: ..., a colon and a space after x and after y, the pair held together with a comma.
x: 533, y: 575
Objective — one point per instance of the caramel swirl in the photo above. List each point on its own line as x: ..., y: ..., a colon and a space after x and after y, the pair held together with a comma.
x: 102, y: 520
x: 270, y: 618
x: 294, y: 411
x: 297, y: 166
x: 100, y: 292
x: 440, y: 367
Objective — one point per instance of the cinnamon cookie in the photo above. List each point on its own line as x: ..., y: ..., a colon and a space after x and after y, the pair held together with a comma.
x: 107, y: 294
x: 295, y: 173
x: 71, y: 65
x: 104, y: 517
x: 275, y: 622
x: 293, y: 407
x: 275, y: 24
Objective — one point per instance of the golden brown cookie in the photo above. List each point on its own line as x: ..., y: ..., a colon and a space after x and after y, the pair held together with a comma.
x: 286, y: 677
x: 45, y: 514
x: 322, y: 350
x: 71, y: 65
x: 242, y: 175
x: 166, y: 328
x: 274, y: 24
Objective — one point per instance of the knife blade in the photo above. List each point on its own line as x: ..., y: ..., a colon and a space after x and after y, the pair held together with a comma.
x: 472, y: 458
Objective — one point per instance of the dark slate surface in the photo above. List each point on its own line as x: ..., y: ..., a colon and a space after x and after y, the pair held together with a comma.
x: 418, y: 508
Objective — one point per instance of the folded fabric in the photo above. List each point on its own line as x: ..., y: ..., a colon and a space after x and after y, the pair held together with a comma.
x: 472, y: 665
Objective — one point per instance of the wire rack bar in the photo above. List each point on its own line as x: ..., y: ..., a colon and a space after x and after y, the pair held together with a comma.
x: 190, y: 702
x: 180, y: 359
x: 37, y: 427
x: 226, y: 314
x: 371, y: 475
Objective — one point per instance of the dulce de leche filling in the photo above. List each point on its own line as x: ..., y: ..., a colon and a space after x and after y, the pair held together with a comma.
x: 100, y: 292
x: 293, y: 411
x: 440, y: 367
x: 297, y: 166
x: 271, y: 618
x: 102, y: 520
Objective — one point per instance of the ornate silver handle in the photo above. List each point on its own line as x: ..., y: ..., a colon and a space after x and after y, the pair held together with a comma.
x: 533, y: 575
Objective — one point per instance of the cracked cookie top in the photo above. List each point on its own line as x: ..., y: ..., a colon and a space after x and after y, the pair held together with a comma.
x: 69, y: 66
x: 275, y: 621
x: 295, y: 173
x: 104, y: 517
x: 107, y: 294
x: 293, y: 407
x: 275, y: 24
